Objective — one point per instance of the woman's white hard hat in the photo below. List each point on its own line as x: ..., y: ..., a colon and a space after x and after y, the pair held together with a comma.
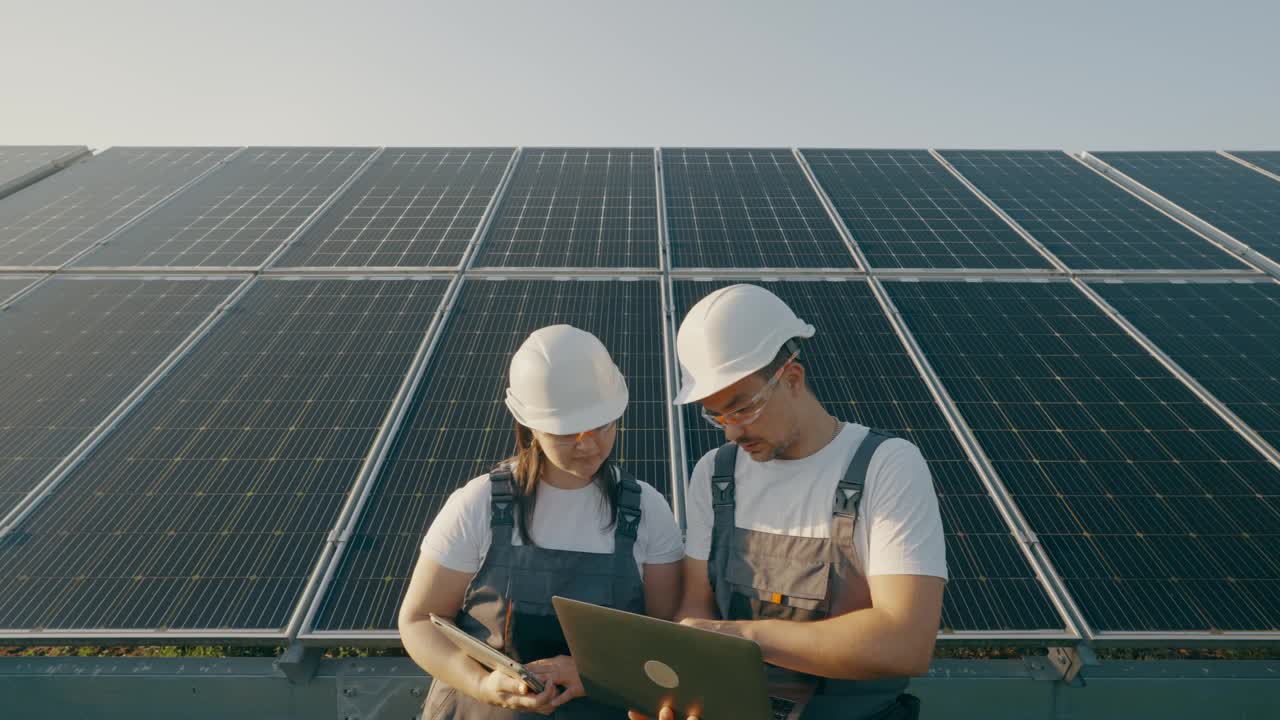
x: 563, y: 381
x: 730, y: 334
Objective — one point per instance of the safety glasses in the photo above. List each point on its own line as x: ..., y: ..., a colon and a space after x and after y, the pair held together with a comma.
x: 568, y: 441
x: 749, y: 411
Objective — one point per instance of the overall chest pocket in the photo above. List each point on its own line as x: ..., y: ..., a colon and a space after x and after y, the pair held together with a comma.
x: 795, y: 581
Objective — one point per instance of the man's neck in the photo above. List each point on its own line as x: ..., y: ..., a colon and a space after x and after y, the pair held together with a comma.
x: 817, y: 429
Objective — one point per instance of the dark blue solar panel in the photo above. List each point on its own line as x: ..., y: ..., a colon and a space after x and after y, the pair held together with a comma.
x: 859, y: 369
x: 1268, y: 160
x: 905, y: 210
x: 21, y: 165
x: 55, y: 220
x: 1243, y: 203
x: 1089, y: 222
x: 576, y: 207
x: 458, y: 428
x: 1156, y: 514
x: 746, y: 209
x: 413, y: 207
x: 237, y: 216
x: 1226, y: 335
x: 210, y: 504
x: 72, y: 350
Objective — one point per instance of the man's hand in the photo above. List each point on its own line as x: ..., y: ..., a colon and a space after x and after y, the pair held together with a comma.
x: 665, y: 713
x: 724, y: 627
x: 560, y: 670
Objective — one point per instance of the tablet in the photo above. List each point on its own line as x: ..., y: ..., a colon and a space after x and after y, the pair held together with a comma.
x: 485, y: 654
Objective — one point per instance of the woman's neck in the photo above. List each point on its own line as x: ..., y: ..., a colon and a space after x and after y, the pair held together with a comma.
x: 557, y: 478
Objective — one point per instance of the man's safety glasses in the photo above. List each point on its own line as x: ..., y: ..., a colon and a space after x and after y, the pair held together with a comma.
x: 749, y: 411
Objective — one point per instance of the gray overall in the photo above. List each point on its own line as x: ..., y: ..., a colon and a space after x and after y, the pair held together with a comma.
x: 765, y: 575
x: 510, y: 598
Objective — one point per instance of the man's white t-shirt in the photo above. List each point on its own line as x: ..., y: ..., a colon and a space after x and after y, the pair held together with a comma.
x: 898, y: 530
x: 577, y: 520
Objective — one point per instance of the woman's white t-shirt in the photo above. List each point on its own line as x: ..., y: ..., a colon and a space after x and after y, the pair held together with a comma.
x: 577, y: 520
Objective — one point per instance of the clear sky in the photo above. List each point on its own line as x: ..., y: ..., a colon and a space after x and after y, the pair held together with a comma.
x: 1076, y: 75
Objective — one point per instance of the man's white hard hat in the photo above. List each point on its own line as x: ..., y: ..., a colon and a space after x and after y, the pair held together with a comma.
x: 730, y: 334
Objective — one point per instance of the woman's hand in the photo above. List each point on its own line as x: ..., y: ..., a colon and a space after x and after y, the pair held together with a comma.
x: 560, y: 670
x: 504, y: 691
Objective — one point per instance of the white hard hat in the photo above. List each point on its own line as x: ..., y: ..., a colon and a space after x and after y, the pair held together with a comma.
x: 730, y: 334
x: 563, y: 381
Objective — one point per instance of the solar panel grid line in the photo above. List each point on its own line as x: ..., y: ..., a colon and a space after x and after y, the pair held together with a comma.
x: 1224, y: 411
x: 1249, y: 164
x: 956, y: 324
x: 326, y: 565
x: 319, y: 210
x: 315, y: 312
x: 1230, y: 248
x: 69, y: 463
x: 495, y: 202
x: 407, y: 178
x: 17, y: 290
x: 359, y: 496
x: 241, y: 216
x: 1053, y: 259
x: 1243, y: 250
x: 560, y: 214
x: 832, y: 214
x: 905, y: 210
x: 1008, y: 509
x: 148, y: 211
x: 129, y: 221
x: 38, y: 173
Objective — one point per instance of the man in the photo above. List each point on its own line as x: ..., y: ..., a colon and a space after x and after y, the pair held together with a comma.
x: 820, y: 540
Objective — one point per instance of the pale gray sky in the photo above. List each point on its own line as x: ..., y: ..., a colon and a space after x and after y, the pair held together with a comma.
x: 1077, y: 75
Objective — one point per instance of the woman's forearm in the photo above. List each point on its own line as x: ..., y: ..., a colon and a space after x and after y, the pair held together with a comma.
x: 443, y: 660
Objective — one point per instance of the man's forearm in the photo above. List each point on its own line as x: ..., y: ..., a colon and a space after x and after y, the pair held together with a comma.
x: 862, y: 645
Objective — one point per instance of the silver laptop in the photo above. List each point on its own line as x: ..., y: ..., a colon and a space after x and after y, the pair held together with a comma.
x: 642, y: 663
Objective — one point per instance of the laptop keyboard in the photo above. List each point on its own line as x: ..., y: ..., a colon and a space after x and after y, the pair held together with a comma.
x: 781, y: 707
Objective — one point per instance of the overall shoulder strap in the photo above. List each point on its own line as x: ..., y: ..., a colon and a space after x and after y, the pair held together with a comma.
x: 723, y: 506
x: 629, y: 501
x: 502, y: 505
x: 849, y: 489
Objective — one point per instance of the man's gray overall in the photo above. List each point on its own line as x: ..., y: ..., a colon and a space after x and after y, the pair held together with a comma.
x: 765, y: 575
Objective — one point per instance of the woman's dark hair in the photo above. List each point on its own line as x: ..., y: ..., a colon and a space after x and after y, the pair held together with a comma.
x: 527, y: 465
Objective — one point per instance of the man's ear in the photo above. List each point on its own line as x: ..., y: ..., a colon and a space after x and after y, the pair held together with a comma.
x: 794, y: 376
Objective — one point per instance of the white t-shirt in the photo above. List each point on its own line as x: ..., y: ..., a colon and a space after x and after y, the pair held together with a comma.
x: 578, y: 520
x: 898, y: 530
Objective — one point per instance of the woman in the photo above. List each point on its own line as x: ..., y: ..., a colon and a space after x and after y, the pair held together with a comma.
x: 557, y: 518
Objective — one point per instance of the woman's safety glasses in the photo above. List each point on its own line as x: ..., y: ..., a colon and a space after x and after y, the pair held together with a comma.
x: 568, y: 441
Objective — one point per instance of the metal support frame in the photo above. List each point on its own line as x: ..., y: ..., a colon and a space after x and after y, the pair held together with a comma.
x: 836, y: 220
x: 1251, y: 166
x: 150, y: 209
x: 670, y: 362
x: 34, y: 281
x: 299, y: 662
x: 491, y: 211
x: 35, y: 175
x: 1251, y: 256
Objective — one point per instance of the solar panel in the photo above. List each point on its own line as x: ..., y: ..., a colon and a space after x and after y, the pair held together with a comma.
x: 238, y: 215
x: 746, y: 209
x: 1240, y: 202
x: 209, y: 505
x: 1158, y: 517
x: 21, y: 165
x: 905, y: 210
x: 1087, y: 221
x: 55, y: 220
x: 413, y: 207
x: 457, y: 426
x: 10, y: 286
x: 1268, y: 160
x: 859, y: 369
x: 1225, y: 335
x: 73, y: 349
x: 576, y: 207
